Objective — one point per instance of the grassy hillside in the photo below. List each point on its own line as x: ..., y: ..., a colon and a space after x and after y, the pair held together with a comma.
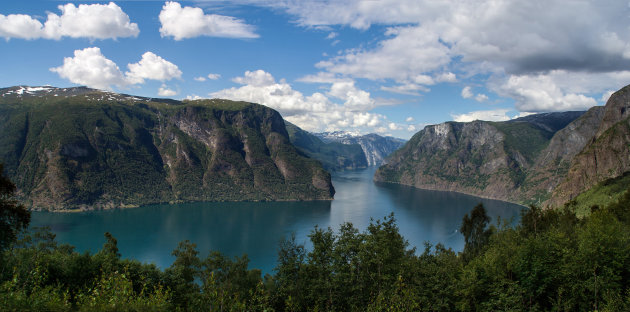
x: 602, y: 194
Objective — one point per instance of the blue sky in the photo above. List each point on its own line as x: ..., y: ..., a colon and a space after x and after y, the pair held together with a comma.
x: 387, y: 66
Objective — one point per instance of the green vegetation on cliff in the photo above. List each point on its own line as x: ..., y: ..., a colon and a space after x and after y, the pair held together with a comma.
x: 82, y: 148
x: 603, y: 194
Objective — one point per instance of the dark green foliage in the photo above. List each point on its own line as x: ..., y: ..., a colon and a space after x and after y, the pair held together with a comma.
x: 524, y: 138
x: 475, y: 231
x: 13, y: 216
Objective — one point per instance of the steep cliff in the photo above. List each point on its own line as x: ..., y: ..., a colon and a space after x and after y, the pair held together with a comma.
x: 84, y: 148
x: 606, y: 154
x: 488, y: 159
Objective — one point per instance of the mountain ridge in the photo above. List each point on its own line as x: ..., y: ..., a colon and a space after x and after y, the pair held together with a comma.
x: 521, y: 160
x: 84, y: 148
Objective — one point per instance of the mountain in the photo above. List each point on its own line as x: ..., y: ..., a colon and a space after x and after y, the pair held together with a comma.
x: 334, y: 156
x: 375, y: 147
x: 606, y: 154
x: 487, y: 159
x: 84, y: 148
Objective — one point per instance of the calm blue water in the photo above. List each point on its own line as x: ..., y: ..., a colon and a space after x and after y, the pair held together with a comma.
x: 150, y: 233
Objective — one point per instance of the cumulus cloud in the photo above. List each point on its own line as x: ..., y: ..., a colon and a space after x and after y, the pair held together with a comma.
x: 189, y: 22
x: 409, y: 52
x: 165, y: 91
x: 355, y: 99
x: 582, y: 38
x: 467, y: 92
x: 488, y: 115
x: 480, y: 97
x: 343, y: 106
x: 93, y: 21
x: 91, y: 68
x: 213, y: 76
x: 541, y: 93
x: 154, y: 67
x: 410, y: 119
x: 200, y: 79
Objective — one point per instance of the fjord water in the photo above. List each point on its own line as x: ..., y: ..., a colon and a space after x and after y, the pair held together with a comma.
x: 150, y: 233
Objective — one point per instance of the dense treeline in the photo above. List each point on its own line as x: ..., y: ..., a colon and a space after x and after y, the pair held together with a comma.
x: 551, y: 260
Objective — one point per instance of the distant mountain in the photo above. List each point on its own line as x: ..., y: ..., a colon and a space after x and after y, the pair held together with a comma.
x: 85, y: 148
x: 375, y: 147
x: 334, y: 156
x: 520, y: 160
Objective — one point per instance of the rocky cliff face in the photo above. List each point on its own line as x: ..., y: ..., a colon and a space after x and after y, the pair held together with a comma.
x: 83, y: 148
x: 375, y: 147
x: 334, y: 156
x: 605, y: 155
x: 487, y: 159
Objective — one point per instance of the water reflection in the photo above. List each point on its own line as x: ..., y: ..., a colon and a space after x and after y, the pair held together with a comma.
x: 437, y: 215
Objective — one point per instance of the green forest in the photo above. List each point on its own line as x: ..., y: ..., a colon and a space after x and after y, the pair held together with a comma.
x: 551, y: 261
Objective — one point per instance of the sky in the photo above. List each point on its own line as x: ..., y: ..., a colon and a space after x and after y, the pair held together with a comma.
x: 384, y: 66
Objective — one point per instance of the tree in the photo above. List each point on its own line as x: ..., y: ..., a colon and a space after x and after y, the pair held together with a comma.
x: 13, y: 216
x: 476, y: 236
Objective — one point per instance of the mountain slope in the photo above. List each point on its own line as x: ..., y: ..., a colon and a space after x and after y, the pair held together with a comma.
x: 488, y: 159
x: 334, y: 156
x: 84, y: 148
x: 605, y: 156
x: 375, y: 147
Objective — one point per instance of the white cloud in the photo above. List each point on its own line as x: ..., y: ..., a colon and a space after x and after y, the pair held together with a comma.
x: 488, y: 115
x: 213, y: 76
x: 411, y: 128
x: 332, y: 35
x: 467, y: 93
x: 355, y: 99
x: 153, y: 67
x: 93, y: 21
x: 446, y: 77
x: 189, y: 22
x: 409, y: 52
x: 410, y: 119
x: 210, y: 76
x: 315, y: 112
x: 393, y: 126
x: 165, y: 91
x: 481, y: 97
x: 542, y: 93
x: 257, y: 78
x: 583, y: 39
x: 89, y: 67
